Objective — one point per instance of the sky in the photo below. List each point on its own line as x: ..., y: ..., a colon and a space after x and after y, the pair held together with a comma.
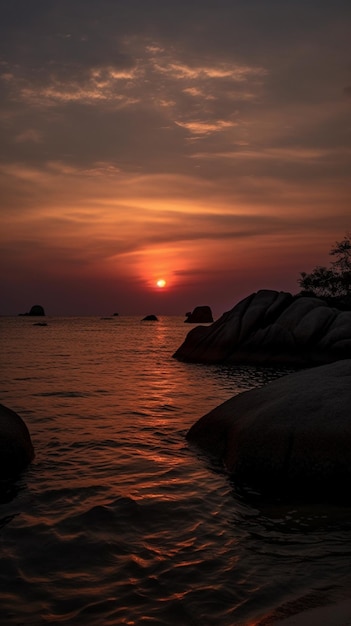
x: 206, y: 143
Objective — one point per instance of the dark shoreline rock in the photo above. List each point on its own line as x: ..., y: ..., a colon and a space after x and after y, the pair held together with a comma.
x: 272, y: 328
x: 16, y: 448
x: 150, y: 318
x: 288, y: 439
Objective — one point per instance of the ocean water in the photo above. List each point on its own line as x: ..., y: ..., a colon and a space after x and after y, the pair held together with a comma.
x: 118, y: 520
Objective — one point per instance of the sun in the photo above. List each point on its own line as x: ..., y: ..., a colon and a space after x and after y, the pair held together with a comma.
x: 161, y: 283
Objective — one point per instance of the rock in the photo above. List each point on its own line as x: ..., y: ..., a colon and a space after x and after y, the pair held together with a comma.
x: 150, y: 318
x: 200, y: 315
x: 37, y: 310
x: 290, y: 438
x: 270, y: 328
x: 16, y: 449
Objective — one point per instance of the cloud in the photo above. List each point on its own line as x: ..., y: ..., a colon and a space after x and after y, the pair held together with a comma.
x: 206, y: 128
x: 207, y: 135
x: 288, y: 154
x: 31, y: 135
x: 154, y: 78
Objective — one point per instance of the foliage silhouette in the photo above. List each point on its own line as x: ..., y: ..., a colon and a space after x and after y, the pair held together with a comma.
x: 331, y: 283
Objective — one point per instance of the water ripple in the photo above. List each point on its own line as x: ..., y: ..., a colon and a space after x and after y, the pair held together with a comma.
x: 117, y: 520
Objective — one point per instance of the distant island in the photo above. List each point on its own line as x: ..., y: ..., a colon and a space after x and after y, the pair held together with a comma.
x: 36, y: 311
x: 200, y: 315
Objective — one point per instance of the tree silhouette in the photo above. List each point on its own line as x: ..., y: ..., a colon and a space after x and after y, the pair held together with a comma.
x: 334, y: 282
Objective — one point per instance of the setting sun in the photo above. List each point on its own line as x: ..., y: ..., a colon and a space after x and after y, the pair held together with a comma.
x: 161, y: 283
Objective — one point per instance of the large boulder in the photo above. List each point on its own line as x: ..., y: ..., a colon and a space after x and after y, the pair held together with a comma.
x: 200, y: 315
x: 270, y: 327
x: 290, y: 438
x: 16, y: 448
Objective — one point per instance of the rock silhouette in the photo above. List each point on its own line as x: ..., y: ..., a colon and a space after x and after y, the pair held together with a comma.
x: 290, y: 438
x: 269, y: 328
x: 200, y: 315
x: 16, y: 449
x: 150, y: 318
x: 36, y: 310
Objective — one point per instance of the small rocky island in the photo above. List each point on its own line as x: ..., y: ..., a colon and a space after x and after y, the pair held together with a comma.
x: 200, y: 315
x: 150, y: 318
x: 36, y: 311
